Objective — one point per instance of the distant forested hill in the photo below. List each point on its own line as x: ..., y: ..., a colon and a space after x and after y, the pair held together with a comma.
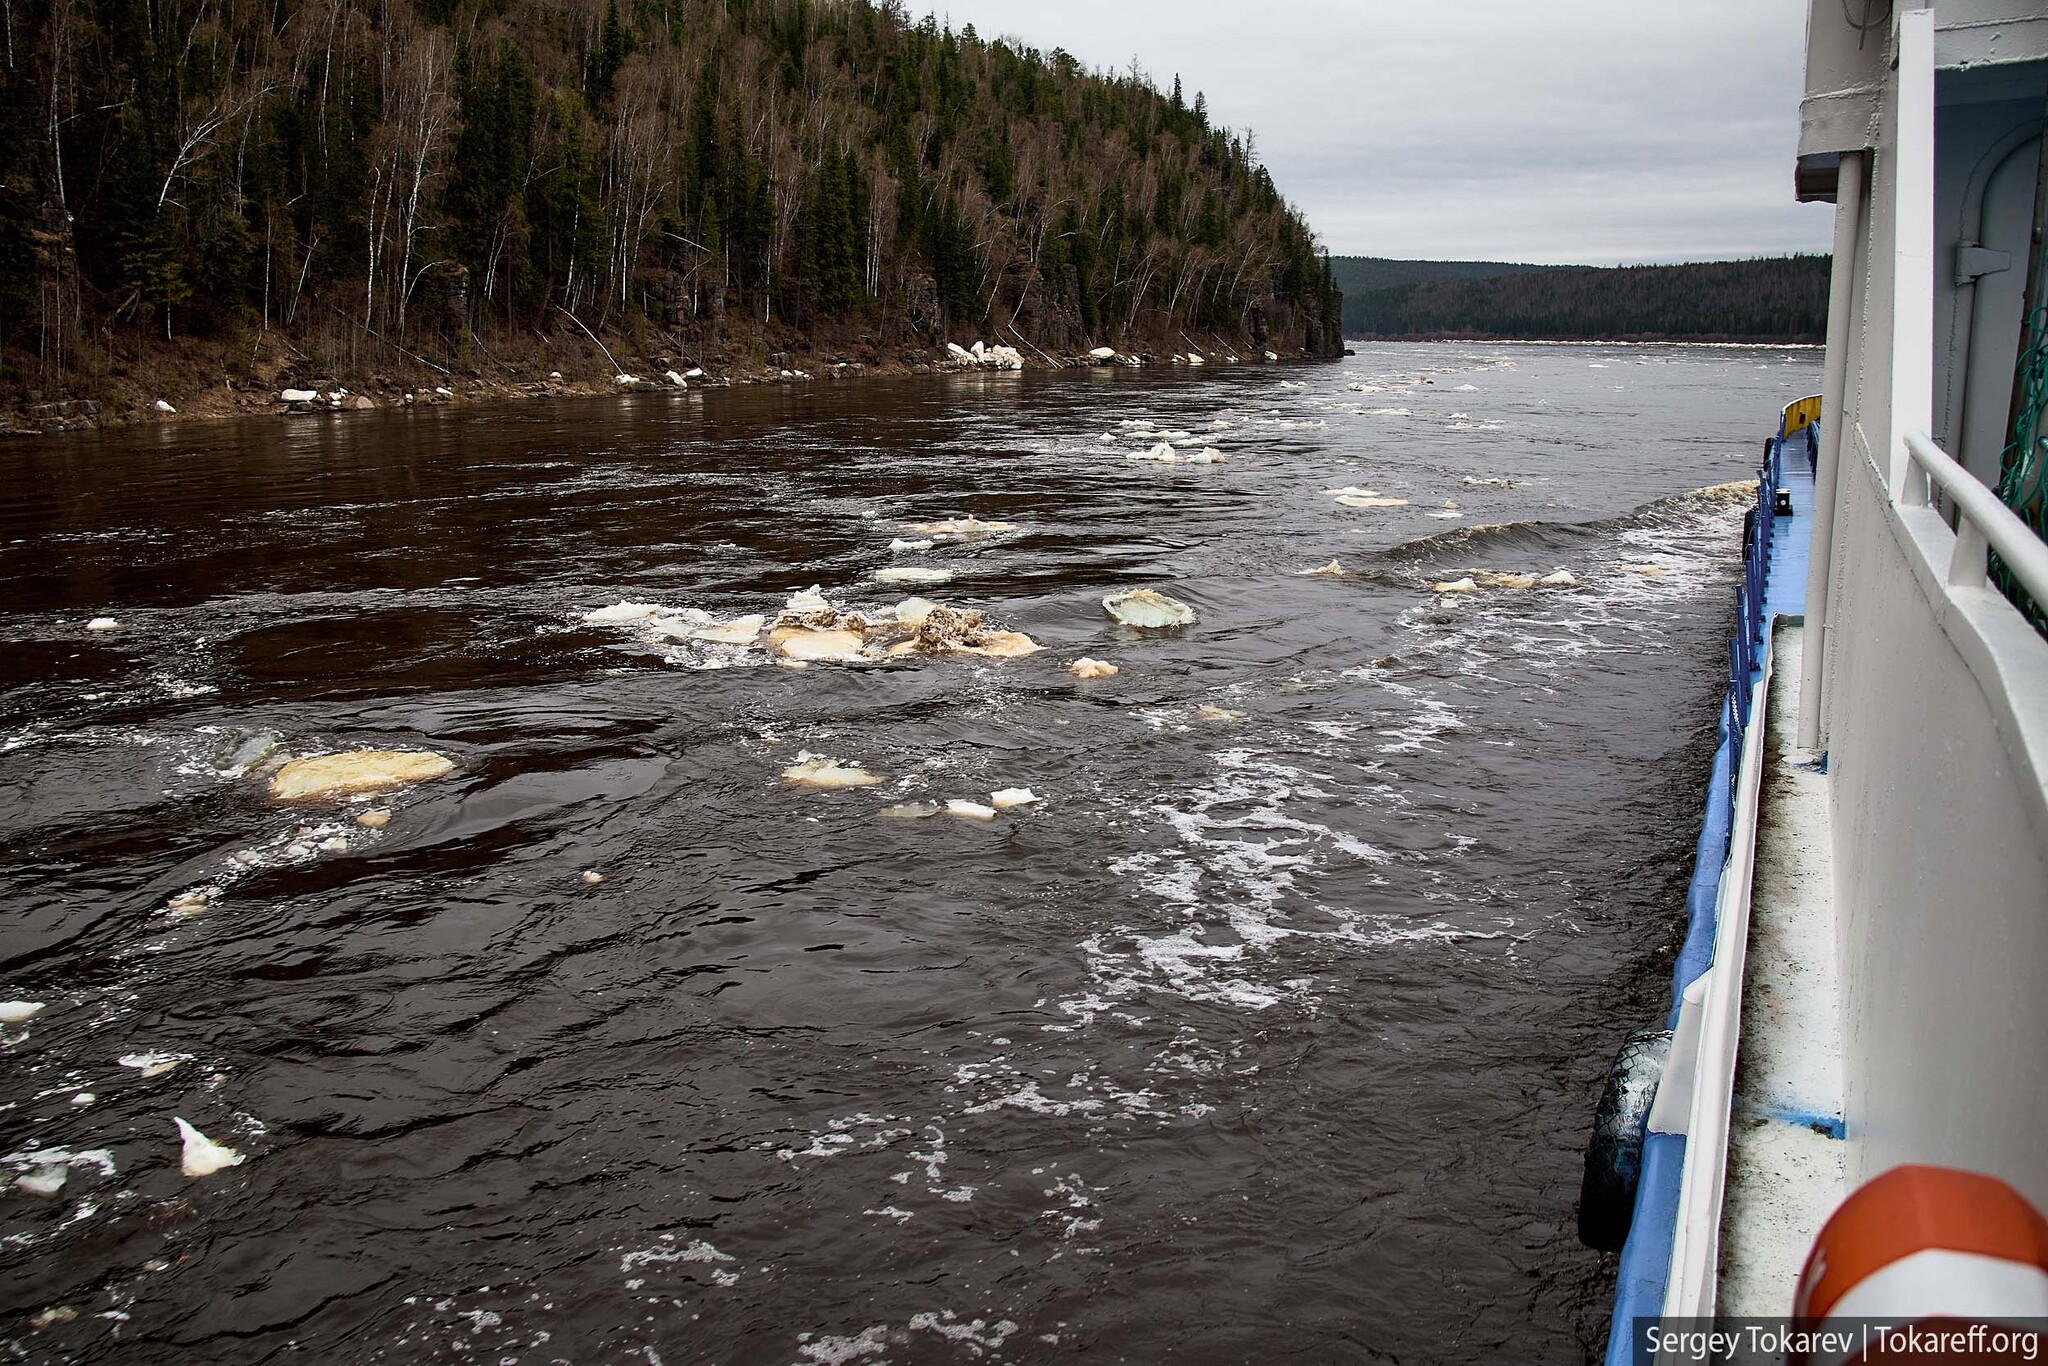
x: 1359, y: 275
x: 337, y: 185
x: 1769, y: 299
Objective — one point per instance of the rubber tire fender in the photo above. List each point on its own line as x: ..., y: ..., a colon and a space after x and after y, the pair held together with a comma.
x: 1614, y: 1157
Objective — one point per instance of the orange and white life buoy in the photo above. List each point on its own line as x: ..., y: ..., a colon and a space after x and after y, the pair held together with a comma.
x: 1925, y: 1245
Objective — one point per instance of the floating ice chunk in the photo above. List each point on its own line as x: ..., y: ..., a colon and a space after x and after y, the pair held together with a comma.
x: 962, y: 526
x: 1559, y: 578
x: 1144, y: 608
x: 1208, y: 455
x: 1650, y: 570
x: 374, y: 819
x: 592, y: 877
x: 910, y: 811
x: 20, y: 1012
x: 1292, y: 383
x: 914, y: 612
x: 1466, y: 389
x: 1445, y: 516
x: 738, y: 631
x: 356, y: 771
x: 913, y: 574
x: 1092, y: 668
x: 1463, y: 585
x: 153, y: 1064
x: 624, y: 613
x: 1195, y: 359
x: 84, y: 1098
x: 677, y: 623
x: 45, y: 1183
x: 1013, y: 796
x: 899, y: 546
x: 970, y: 811
x: 1515, y: 581
x: 1352, y: 491
x: 196, y: 902
x: 1210, y: 712
x: 1354, y: 501
x: 813, y: 645
x: 812, y: 770
x: 1332, y: 570
x: 103, y: 624
x: 1162, y: 451
x: 202, y: 1156
x: 807, y: 600
x: 1137, y: 424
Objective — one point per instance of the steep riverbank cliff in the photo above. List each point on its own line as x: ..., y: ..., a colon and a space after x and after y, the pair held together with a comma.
x: 207, y: 201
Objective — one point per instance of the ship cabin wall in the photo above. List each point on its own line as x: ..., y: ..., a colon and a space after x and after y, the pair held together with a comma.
x: 1931, y: 692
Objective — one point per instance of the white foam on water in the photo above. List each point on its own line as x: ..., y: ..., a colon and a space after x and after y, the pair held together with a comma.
x: 838, y: 1351
x: 671, y: 1250
x: 978, y: 1332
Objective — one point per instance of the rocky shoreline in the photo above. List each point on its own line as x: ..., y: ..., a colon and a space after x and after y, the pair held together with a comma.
x: 175, y: 393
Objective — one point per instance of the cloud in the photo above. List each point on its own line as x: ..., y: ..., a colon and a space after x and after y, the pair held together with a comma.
x: 1586, y: 130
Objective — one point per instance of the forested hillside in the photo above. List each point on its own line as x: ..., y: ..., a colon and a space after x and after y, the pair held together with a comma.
x: 357, y: 186
x: 1780, y: 299
x: 1358, y: 276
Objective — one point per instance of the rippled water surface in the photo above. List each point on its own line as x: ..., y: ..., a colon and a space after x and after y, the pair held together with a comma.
x: 1271, y: 1034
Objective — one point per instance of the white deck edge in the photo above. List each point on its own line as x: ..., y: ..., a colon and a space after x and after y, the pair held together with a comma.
x: 1696, y: 1243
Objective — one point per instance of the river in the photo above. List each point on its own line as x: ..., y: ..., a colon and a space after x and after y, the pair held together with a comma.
x: 1272, y: 1033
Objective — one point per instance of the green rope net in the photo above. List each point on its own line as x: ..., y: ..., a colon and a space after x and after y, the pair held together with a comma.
x: 2023, y: 466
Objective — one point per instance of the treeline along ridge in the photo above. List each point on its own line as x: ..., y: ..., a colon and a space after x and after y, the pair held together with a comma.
x: 1773, y: 299
x: 324, y: 183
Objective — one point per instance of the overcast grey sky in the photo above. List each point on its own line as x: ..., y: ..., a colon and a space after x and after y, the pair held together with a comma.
x: 1590, y: 131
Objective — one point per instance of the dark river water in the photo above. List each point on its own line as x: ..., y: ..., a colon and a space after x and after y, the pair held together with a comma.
x: 1271, y: 1034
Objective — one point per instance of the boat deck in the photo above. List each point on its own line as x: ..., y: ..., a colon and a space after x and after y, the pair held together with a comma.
x: 1785, y: 1150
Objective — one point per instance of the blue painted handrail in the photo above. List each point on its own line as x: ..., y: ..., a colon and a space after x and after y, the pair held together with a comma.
x: 1645, y: 1268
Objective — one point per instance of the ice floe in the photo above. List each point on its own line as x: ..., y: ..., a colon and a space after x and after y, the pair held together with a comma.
x: 914, y: 574
x: 1148, y: 610
x: 1092, y: 668
x: 1010, y: 797
x: 20, y: 1012
x: 201, y: 1155
x: 355, y: 772
x: 153, y: 1064
x: 814, y: 770
x: 969, y: 525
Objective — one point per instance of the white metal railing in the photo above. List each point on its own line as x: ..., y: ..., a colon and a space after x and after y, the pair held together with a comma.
x: 1982, y: 521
